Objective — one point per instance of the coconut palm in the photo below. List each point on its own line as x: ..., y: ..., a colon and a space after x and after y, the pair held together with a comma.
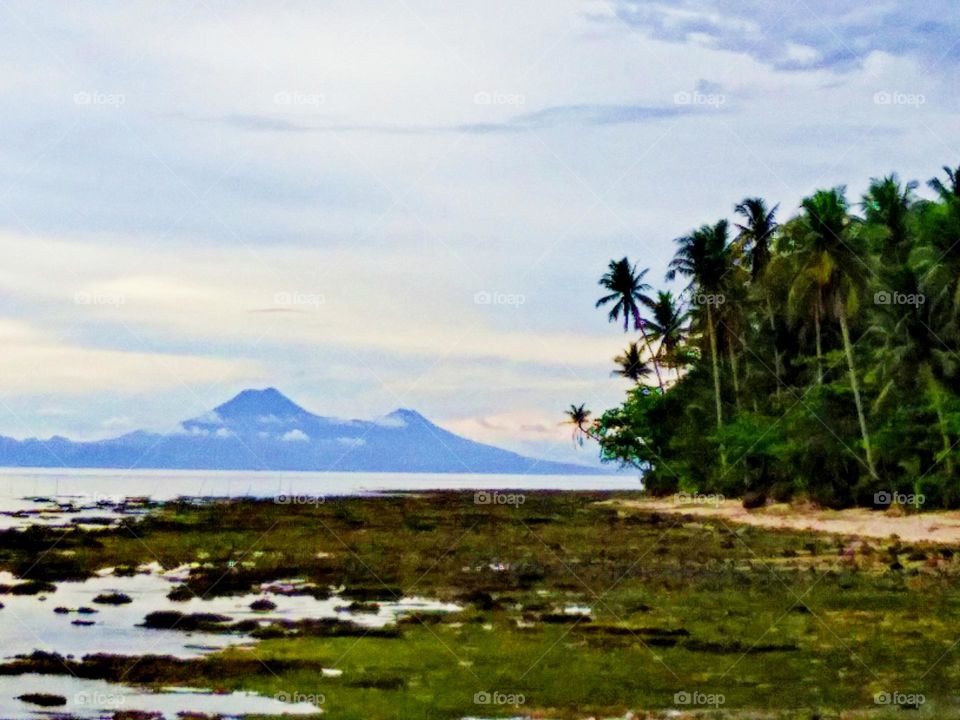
x: 910, y: 363
x: 948, y: 191
x: 886, y: 205
x: 632, y: 364
x: 703, y: 258
x: 833, y: 260
x: 578, y: 416
x: 755, y: 243
x: 756, y: 233
x: 628, y: 293
x: 667, y: 326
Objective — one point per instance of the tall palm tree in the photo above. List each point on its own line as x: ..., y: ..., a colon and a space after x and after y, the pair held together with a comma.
x: 839, y: 270
x: 754, y: 241
x: 578, y: 416
x: 667, y: 329
x: 703, y: 258
x: 628, y: 293
x: 948, y: 191
x: 911, y: 362
x: 632, y: 364
x: 824, y: 224
x: 886, y: 205
x: 756, y: 233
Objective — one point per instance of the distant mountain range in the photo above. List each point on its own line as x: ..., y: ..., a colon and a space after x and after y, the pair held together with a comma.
x: 265, y: 430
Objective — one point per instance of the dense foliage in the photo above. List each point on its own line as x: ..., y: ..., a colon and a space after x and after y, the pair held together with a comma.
x: 814, y: 356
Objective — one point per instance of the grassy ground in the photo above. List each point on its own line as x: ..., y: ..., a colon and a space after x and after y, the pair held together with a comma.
x: 778, y: 623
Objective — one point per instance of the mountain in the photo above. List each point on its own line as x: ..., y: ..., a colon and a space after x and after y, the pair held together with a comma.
x: 265, y: 430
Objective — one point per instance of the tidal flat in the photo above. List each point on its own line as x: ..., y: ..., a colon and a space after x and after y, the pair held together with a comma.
x: 432, y: 605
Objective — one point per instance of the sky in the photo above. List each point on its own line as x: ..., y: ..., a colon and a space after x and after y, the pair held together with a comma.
x: 406, y: 203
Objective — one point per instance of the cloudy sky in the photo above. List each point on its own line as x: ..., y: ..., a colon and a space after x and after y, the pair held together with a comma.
x: 401, y: 202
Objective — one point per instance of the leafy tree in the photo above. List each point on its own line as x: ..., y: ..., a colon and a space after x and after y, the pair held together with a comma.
x: 578, y: 416
x: 627, y: 292
x: 703, y: 258
x: 817, y: 355
x: 756, y: 233
x: 632, y: 364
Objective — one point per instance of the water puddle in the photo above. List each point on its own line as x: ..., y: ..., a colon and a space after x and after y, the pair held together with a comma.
x: 87, y: 512
x: 94, y: 699
x: 62, y: 621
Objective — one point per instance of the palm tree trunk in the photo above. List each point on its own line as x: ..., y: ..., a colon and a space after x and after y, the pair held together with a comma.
x: 947, y: 446
x: 734, y: 374
x: 638, y: 321
x: 816, y: 322
x: 776, y: 353
x: 716, y: 382
x: 716, y: 367
x: 937, y: 398
x: 855, y: 386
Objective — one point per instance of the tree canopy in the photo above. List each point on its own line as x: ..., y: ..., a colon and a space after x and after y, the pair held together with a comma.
x: 817, y: 355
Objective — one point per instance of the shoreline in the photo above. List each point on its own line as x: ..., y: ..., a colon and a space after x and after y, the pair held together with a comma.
x: 938, y: 527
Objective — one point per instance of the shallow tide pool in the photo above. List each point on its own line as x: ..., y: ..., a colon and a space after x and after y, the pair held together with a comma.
x: 90, y: 699
x: 30, y: 622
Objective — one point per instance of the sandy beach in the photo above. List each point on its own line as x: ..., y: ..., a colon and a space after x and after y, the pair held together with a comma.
x: 942, y: 527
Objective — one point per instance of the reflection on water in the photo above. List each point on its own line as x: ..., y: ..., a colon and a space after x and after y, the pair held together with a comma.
x: 49, y: 622
x: 69, y: 621
x: 89, y: 699
x: 111, y: 485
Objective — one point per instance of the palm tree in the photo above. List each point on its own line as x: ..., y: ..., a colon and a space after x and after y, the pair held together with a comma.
x: 632, y: 365
x: 886, y: 204
x: 754, y: 241
x: 628, y: 293
x: 950, y: 191
x: 667, y: 329
x: 578, y: 416
x: 824, y: 224
x: 910, y: 363
x: 756, y: 233
x: 703, y: 258
x: 839, y: 271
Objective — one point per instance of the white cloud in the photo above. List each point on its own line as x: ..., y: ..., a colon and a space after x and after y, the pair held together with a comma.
x: 146, y: 243
x: 295, y: 436
x: 37, y: 363
x: 115, y: 422
x: 214, y: 295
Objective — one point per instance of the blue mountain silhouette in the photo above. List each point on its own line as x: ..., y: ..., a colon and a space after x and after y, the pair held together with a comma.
x: 265, y: 430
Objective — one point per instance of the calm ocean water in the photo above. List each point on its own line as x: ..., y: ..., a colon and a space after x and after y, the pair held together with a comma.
x: 18, y: 483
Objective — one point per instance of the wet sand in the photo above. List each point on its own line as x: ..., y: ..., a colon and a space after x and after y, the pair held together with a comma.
x: 934, y: 527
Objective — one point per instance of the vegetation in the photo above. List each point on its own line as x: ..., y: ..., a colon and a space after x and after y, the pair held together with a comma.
x: 574, y: 605
x: 817, y: 356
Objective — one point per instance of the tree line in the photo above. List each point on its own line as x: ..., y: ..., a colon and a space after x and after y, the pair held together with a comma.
x: 816, y: 356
